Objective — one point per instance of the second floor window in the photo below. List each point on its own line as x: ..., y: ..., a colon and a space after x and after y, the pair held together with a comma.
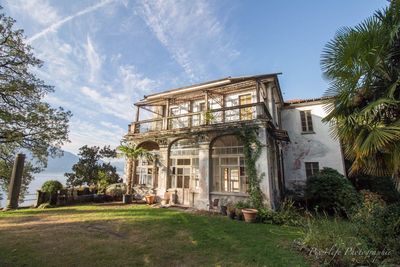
x: 306, y: 121
x: 245, y: 113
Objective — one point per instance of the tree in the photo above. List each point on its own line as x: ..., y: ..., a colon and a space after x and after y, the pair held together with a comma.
x: 131, y: 153
x: 26, y: 122
x: 363, y: 67
x: 91, y: 170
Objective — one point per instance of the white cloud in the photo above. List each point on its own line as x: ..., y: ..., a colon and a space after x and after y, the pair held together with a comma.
x: 191, y: 33
x: 87, y: 133
x: 93, y: 59
x: 39, y: 10
x: 118, y: 102
x: 54, y: 26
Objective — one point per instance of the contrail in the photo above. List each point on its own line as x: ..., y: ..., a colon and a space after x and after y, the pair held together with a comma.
x: 53, y: 27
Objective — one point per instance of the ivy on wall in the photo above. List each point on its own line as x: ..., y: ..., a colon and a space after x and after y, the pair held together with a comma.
x: 252, y: 151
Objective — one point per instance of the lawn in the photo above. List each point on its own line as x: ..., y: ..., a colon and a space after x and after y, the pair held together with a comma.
x: 137, y: 235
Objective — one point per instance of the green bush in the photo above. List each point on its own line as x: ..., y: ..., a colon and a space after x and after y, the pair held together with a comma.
x: 51, y: 186
x: 371, y: 237
x: 116, y: 190
x: 330, y: 241
x: 383, y: 186
x: 331, y: 192
x: 378, y: 224
x: 287, y: 214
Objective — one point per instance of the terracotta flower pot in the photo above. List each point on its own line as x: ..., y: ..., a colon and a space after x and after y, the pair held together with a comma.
x: 250, y: 215
x: 150, y: 199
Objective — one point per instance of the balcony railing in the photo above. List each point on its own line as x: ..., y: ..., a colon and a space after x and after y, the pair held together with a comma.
x: 197, y: 119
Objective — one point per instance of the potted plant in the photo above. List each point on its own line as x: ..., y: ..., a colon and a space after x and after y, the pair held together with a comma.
x: 239, y: 206
x: 250, y: 215
x: 230, y: 210
x: 223, y: 207
x: 150, y: 199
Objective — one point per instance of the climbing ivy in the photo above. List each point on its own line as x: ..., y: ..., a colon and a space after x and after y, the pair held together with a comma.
x: 252, y: 151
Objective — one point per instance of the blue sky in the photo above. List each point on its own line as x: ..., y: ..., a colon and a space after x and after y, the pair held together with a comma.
x: 102, y: 56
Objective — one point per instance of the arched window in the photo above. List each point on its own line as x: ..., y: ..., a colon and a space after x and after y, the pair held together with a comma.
x: 146, y: 169
x: 227, y: 164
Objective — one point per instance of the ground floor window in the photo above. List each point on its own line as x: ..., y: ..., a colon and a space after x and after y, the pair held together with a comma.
x: 144, y: 171
x: 184, y: 165
x: 228, y: 171
x: 311, y: 168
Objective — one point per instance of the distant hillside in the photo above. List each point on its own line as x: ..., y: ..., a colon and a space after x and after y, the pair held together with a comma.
x: 64, y: 164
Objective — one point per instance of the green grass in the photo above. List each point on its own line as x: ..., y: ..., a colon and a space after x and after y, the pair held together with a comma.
x: 138, y: 235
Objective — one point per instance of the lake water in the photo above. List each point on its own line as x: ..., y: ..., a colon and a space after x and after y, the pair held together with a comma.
x: 36, y: 184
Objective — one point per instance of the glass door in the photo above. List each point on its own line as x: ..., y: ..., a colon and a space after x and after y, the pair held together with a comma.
x: 182, y: 183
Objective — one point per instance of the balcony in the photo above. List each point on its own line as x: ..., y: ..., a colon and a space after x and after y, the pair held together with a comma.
x: 193, y: 120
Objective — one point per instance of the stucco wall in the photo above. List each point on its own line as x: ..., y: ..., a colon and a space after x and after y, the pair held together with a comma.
x: 311, y: 147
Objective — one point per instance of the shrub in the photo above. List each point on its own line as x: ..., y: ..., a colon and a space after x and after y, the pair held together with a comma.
x: 51, y: 186
x: 383, y: 186
x: 330, y: 191
x: 116, y: 190
x: 287, y: 214
x: 329, y: 241
x: 378, y: 224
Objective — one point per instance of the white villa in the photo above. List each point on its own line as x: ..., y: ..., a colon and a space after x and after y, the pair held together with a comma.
x: 198, y: 156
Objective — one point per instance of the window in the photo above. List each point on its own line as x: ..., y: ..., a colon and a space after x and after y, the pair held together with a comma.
x: 306, y: 121
x: 311, y: 168
x: 228, y: 171
x: 184, y: 165
x: 245, y: 113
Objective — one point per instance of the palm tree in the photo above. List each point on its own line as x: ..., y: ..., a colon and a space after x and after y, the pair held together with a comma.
x: 363, y: 67
x: 131, y: 153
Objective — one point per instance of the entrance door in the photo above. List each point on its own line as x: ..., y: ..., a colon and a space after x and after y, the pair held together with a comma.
x: 182, y: 184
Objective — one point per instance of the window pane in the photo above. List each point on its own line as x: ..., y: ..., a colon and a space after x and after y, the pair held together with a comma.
x: 309, y: 121
x: 187, y: 181
x: 179, y: 181
x: 303, y: 121
x: 226, y: 178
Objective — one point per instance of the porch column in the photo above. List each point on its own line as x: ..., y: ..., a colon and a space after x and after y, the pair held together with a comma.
x: 203, y: 199
x: 263, y: 166
x: 259, y: 108
x: 206, y: 106
x: 162, y: 171
x: 166, y: 115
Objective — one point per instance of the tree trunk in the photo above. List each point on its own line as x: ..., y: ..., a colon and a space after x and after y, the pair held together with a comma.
x: 129, y: 177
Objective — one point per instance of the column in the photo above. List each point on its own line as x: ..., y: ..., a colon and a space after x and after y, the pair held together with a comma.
x: 15, y: 182
x: 203, y: 199
x: 263, y: 164
x: 162, y: 171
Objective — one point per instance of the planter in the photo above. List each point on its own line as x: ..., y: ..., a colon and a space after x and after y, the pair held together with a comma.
x: 150, y: 199
x: 250, y: 215
x: 223, y: 210
x: 127, y: 199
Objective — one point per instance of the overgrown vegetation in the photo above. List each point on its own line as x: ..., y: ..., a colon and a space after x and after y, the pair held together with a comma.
x: 331, y: 192
x: 252, y: 151
x: 287, y: 214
